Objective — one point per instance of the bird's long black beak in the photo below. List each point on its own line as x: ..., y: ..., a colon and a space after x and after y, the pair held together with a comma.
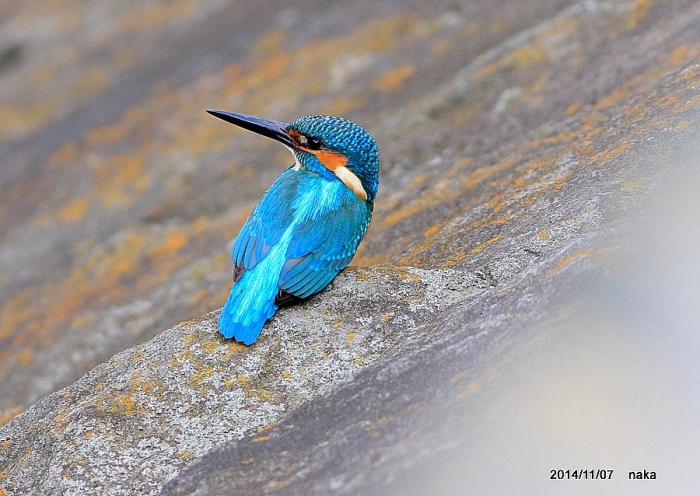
x: 266, y: 127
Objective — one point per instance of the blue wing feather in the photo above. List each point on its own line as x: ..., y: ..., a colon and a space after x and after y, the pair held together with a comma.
x: 295, y: 242
x: 317, y: 255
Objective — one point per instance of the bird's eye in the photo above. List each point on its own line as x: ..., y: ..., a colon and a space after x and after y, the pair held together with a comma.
x: 315, y: 143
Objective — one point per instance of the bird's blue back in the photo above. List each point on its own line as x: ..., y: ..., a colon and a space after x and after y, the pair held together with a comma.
x: 303, y: 232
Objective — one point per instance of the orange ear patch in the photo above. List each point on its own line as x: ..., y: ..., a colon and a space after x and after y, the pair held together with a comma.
x: 330, y: 160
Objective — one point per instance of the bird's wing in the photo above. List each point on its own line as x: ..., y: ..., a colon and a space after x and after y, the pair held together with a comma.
x: 322, y: 247
x: 265, y: 225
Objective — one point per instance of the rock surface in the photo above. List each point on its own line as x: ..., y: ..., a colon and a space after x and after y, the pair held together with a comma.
x: 520, y: 146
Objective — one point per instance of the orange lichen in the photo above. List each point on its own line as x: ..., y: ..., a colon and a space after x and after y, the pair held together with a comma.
x: 483, y: 173
x: 679, y: 55
x: 270, y: 42
x: 609, y: 155
x: 639, y: 10
x: 200, y: 376
x: 433, y: 230
x: 568, y: 260
x: 457, y: 257
x: 74, y: 210
x: 572, y: 109
x: 483, y: 245
x: 632, y: 185
x: 66, y: 155
x: 464, y: 393
x: 394, y: 79
x: 124, y: 404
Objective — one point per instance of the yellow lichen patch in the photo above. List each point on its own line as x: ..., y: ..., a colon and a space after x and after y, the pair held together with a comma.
x: 185, y: 455
x: 270, y: 41
x: 519, y: 58
x: 350, y: 336
x: 200, y: 376
x: 639, y: 10
x: 568, y: 260
x: 362, y: 275
x: 16, y: 311
x: 286, y: 375
x: 379, y: 423
x: 170, y: 246
x: 153, y: 388
x: 454, y: 259
x: 264, y: 395
x: 404, y: 273
x: 483, y: 173
x: 679, y: 55
x: 683, y: 125
x: 124, y: 404
x: 243, y: 379
x: 440, y: 47
x: 572, y: 109
x: 344, y: 104
x: 483, y: 245
x: 385, y: 318
x: 260, y: 439
x: 633, y: 85
x: 118, y: 177
x: 25, y: 356
x: 420, y: 179
x: 210, y: 346
x: 383, y: 34
x: 75, y: 210
x: 433, y: 230
x: 526, y: 55
x: 607, y: 156
x: 544, y: 236
x: 632, y: 185
x: 560, y: 185
x: 404, y: 213
x: 268, y: 426
x: 234, y: 347
x: 65, y: 155
x: 666, y: 101
x: 394, y: 79
x: 471, y: 387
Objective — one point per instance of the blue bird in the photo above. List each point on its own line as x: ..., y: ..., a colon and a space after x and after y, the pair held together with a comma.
x: 307, y: 227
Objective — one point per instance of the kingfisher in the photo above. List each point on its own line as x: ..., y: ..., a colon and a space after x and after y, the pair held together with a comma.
x: 308, y: 225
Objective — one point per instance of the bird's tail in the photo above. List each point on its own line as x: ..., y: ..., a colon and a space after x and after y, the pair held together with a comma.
x: 244, y: 322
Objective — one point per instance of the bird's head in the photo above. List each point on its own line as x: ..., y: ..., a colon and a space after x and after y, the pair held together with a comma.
x: 332, y: 147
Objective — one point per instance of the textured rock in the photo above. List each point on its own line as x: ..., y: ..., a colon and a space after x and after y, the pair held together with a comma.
x: 518, y: 147
x: 169, y: 401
